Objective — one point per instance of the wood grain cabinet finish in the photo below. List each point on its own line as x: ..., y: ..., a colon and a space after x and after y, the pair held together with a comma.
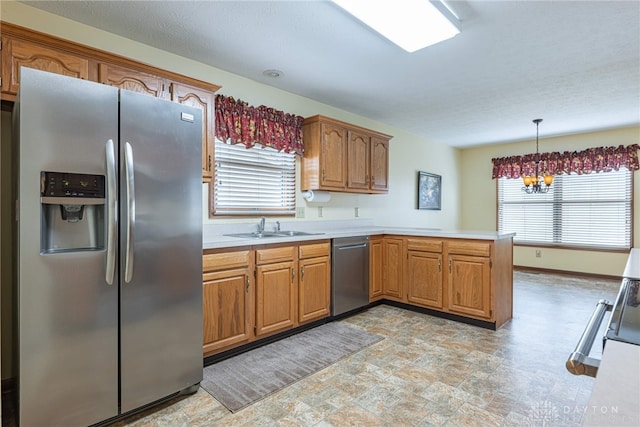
x: 379, y: 158
x: 424, y: 273
x: 376, y: 271
x: 227, y: 296
x: 392, y: 266
x: 275, y: 297
x: 314, y: 282
x: 470, y: 264
x: 28, y: 48
x: 470, y: 285
x: 18, y: 53
x: 203, y: 100
x: 131, y: 80
x: 343, y: 157
x: 470, y: 278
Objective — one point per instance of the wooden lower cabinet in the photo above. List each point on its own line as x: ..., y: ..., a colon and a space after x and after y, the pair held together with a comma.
x: 465, y: 277
x: 424, y: 278
x: 392, y: 256
x: 252, y: 293
x: 227, y: 297
x: 470, y: 285
x: 376, y: 276
x: 314, y: 282
x: 275, y: 297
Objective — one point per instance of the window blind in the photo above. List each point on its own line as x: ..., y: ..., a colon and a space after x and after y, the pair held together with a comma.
x: 255, y: 181
x: 588, y: 211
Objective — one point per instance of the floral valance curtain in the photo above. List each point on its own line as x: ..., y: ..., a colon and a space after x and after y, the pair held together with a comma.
x: 600, y: 159
x: 239, y: 123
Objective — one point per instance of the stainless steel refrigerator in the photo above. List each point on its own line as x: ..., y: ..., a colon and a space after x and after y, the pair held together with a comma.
x: 110, y: 250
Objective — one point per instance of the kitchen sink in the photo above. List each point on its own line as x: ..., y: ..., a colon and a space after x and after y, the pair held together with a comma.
x: 295, y: 233
x: 267, y: 234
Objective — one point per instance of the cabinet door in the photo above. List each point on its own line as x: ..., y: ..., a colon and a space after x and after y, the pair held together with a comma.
x: 204, y: 100
x: 424, y: 270
x: 132, y: 80
x: 376, y: 269
x: 314, y: 289
x: 226, y: 309
x: 18, y: 53
x: 470, y: 285
x: 333, y: 162
x: 392, y: 266
x: 379, y: 165
x: 358, y: 161
x: 275, y: 297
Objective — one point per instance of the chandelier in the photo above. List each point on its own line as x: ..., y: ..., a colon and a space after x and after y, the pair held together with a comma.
x: 533, y: 183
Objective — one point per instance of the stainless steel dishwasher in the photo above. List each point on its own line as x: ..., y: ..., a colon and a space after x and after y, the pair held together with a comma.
x: 349, y: 274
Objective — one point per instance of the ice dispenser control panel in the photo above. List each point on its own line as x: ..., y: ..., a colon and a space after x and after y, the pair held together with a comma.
x: 73, y: 212
x: 64, y: 184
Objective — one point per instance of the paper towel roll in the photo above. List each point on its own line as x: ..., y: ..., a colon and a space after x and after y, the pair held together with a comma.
x: 316, y: 196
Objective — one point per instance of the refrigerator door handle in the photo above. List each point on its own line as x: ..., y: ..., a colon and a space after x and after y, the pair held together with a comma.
x: 131, y: 212
x: 112, y: 212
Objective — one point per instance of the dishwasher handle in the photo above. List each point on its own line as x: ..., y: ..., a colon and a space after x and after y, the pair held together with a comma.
x: 361, y: 245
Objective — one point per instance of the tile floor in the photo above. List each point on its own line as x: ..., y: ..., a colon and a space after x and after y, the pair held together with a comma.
x: 431, y: 371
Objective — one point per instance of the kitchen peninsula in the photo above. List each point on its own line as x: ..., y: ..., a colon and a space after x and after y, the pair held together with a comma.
x: 461, y: 275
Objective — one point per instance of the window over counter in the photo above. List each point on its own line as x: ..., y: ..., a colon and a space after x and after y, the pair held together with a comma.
x: 253, y: 181
x: 591, y: 211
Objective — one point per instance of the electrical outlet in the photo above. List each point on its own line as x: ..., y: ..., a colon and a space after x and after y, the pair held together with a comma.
x: 319, y: 211
x: 538, y: 253
x: 356, y: 212
x: 300, y: 212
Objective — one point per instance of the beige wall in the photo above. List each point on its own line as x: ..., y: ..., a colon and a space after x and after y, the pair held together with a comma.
x: 479, y: 195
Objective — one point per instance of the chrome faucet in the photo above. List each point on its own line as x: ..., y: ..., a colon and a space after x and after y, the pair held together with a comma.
x: 261, y: 225
x: 277, y: 225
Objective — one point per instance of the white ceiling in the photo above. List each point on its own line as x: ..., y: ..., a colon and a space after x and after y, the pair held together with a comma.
x: 576, y: 64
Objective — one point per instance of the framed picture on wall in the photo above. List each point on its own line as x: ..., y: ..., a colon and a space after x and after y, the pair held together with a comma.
x: 429, y: 191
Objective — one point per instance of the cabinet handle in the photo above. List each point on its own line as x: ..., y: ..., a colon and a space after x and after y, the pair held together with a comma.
x: 247, y: 280
x: 209, y: 162
x: 293, y: 275
x: 302, y: 273
x: 439, y: 265
x: 449, y: 266
x: 323, y: 176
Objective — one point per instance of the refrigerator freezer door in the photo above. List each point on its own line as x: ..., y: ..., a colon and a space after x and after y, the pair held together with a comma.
x: 161, y: 300
x: 67, y: 313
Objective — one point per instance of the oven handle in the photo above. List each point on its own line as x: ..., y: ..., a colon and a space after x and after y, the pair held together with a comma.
x: 579, y: 362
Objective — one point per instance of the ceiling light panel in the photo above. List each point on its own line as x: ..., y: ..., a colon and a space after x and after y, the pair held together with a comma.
x: 410, y: 24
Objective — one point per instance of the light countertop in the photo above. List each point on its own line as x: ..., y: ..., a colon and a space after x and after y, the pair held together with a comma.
x: 214, y: 237
x: 615, y: 399
x: 632, y: 269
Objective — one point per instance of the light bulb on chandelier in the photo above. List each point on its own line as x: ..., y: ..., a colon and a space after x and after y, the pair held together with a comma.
x: 534, y: 183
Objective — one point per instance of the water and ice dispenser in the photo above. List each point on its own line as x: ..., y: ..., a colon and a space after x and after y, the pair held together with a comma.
x: 73, y: 212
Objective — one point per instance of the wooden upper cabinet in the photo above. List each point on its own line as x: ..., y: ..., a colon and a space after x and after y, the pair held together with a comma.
x: 379, y: 181
x: 205, y: 101
x: 333, y: 156
x: 358, y: 161
x: 343, y: 157
x: 18, y: 53
x: 132, y: 80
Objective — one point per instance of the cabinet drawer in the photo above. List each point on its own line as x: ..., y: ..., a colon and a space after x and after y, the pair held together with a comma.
x: 313, y: 250
x: 466, y: 247
x: 424, y: 245
x: 225, y: 260
x: 286, y: 253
